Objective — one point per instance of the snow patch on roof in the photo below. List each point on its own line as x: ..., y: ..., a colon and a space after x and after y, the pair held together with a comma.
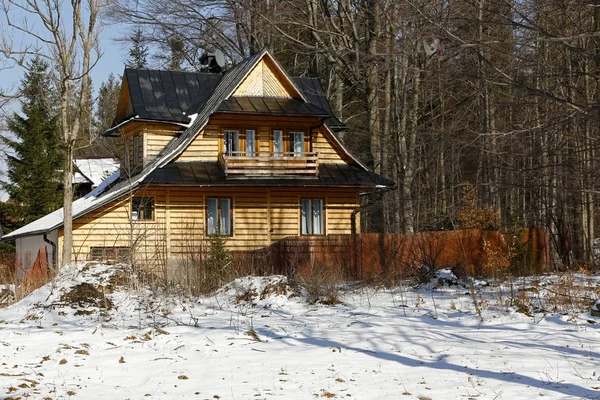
x: 192, y: 119
x: 94, y: 170
x: 56, y: 218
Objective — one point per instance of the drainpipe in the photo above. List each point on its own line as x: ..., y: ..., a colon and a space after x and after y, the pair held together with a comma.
x: 355, y: 253
x: 54, y: 254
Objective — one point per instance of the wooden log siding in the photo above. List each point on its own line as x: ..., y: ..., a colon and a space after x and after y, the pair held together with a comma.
x: 260, y: 216
x: 266, y: 80
x: 157, y: 137
x: 206, y: 145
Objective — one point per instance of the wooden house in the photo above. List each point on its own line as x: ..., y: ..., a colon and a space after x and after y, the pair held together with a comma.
x: 250, y: 154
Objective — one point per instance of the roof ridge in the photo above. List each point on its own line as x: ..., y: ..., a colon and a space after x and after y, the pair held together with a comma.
x: 171, y: 71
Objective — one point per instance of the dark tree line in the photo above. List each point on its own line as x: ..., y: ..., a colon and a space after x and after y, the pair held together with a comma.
x: 437, y: 94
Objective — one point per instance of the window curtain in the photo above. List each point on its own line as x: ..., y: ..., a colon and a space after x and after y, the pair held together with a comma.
x: 278, y: 142
x: 306, y: 220
x: 297, y: 143
x: 225, y: 221
x: 211, y: 218
x: 318, y: 216
x: 250, y: 143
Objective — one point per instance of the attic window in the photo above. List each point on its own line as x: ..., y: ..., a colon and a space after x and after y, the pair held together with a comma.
x: 142, y: 208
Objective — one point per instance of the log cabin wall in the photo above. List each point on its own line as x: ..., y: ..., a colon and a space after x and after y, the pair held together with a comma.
x: 260, y: 217
x: 153, y: 138
x: 206, y: 146
x: 157, y: 137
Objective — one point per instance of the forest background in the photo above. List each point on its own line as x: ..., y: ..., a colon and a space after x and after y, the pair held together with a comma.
x: 493, y: 101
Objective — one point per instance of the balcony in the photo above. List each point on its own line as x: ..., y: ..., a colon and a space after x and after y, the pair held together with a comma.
x: 238, y: 164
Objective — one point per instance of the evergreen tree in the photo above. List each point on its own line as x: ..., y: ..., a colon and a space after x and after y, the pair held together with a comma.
x: 138, y: 54
x: 106, y: 109
x: 34, y: 155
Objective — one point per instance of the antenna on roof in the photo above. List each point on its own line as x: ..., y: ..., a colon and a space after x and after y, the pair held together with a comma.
x: 213, y: 62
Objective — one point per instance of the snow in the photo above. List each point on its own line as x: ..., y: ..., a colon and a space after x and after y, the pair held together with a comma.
x: 192, y: 118
x: 54, y: 219
x: 258, y: 338
x: 95, y: 170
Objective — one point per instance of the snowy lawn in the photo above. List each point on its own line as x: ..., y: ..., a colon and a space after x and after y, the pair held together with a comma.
x: 250, y: 343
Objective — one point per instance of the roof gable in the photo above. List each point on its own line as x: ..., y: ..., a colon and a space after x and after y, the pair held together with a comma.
x: 267, y: 79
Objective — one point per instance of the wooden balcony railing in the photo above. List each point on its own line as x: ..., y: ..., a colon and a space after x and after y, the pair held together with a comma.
x: 266, y: 164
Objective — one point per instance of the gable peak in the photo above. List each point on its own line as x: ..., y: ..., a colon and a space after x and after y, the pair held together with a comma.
x: 267, y: 79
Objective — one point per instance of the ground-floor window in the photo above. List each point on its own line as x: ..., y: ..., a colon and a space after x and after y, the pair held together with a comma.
x: 218, y: 216
x: 312, y: 217
x: 109, y: 253
x: 142, y: 208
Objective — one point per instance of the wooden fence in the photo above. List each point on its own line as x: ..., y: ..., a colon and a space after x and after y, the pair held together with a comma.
x: 363, y: 256
x: 33, y: 277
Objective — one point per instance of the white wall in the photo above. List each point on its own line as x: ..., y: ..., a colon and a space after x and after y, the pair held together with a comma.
x: 27, y: 251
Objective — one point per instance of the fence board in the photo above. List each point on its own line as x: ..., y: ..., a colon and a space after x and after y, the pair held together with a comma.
x: 364, y: 256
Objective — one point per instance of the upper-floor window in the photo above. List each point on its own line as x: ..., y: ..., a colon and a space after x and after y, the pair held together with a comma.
x: 142, y: 208
x: 278, y: 142
x: 312, y: 219
x: 218, y: 216
x: 231, y: 142
x: 250, y: 142
x: 297, y: 143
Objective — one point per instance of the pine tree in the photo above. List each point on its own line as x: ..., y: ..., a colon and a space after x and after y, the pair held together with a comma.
x: 106, y: 108
x: 138, y: 54
x: 34, y: 155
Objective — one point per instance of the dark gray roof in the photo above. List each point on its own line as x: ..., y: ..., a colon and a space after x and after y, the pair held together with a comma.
x: 169, y: 96
x: 313, y: 92
x: 270, y: 106
x: 172, y: 96
x: 209, y: 173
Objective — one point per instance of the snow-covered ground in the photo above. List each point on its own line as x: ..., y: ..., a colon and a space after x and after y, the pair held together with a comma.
x: 259, y: 339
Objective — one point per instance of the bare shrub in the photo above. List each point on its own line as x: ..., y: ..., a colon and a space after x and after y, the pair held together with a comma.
x: 322, y: 284
x: 426, y: 253
x: 523, y: 303
x: 568, y: 294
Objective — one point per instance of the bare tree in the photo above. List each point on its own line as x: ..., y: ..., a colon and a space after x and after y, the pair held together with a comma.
x: 66, y: 35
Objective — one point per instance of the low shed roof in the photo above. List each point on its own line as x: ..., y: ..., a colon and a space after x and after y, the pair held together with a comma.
x: 196, y: 173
